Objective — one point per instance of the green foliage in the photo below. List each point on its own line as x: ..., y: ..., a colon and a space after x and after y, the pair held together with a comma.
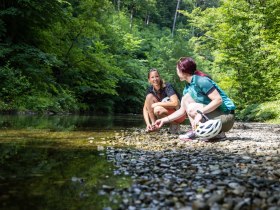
x: 90, y: 55
x: 77, y: 65
x: 12, y: 88
x: 163, y: 53
x: 265, y: 112
x: 43, y: 102
x: 236, y: 38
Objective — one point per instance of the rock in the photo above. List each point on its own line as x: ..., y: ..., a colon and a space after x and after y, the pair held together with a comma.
x: 199, y: 205
x: 215, y: 198
x: 240, y: 173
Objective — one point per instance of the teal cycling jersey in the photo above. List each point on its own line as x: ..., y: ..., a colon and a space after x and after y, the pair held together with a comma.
x: 186, y: 89
x: 200, y: 87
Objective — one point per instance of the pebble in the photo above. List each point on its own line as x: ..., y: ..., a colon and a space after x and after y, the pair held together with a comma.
x: 242, y: 172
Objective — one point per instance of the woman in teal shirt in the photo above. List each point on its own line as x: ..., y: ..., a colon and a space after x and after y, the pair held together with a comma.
x: 202, y: 94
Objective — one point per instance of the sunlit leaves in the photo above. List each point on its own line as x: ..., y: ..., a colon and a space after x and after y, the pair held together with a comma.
x: 239, y: 37
x: 131, y: 43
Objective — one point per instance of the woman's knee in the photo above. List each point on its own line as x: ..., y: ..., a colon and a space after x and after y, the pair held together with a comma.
x: 192, y: 109
x: 227, y: 121
x: 150, y: 99
x: 159, y: 111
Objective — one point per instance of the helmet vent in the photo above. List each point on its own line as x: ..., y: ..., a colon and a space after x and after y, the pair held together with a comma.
x: 209, y: 128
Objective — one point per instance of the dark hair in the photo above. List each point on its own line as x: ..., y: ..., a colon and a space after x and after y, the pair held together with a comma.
x: 161, y: 81
x: 186, y: 65
x: 202, y: 74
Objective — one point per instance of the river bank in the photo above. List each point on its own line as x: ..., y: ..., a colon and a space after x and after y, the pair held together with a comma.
x: 241, y: 172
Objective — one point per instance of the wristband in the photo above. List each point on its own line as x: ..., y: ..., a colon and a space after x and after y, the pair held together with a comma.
x: 199, y: 112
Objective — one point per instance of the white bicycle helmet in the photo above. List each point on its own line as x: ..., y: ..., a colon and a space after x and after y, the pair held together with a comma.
x: 165, y: 99
x: 209, y: 128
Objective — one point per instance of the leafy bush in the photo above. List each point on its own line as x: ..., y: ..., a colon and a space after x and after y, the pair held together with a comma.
x: 265, y: 112
x: 44, y: 102
x: 12, y: 87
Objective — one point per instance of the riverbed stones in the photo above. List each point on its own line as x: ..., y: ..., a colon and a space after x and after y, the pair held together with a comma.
x: 241, y: 172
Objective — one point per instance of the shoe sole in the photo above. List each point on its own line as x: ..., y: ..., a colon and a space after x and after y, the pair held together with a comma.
x: 214, y: 140
x: 186, y: 140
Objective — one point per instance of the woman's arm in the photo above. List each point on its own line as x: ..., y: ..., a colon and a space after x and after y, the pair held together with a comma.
x: 176, y: 115
x: 216, y: 101
x: 173, y: 103
x: 146, y: 115
x: 149, y: 118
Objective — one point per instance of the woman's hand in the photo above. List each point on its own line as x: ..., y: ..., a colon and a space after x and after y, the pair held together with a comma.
x: 197, y: 119
x: 160, y: 122
x: 151, y: 128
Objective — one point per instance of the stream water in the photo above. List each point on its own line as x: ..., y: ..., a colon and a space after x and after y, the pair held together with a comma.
x: 55, y: 162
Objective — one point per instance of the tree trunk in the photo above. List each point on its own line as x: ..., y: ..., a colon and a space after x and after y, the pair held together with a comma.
x: 147, y: 18
x: 175, y: 17
x: 131, y: 19
x: 192, y: 27
x: 119, y: 5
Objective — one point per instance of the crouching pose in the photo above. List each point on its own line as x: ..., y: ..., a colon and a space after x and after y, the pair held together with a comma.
x: 161, y: 100
x: 203, y: 96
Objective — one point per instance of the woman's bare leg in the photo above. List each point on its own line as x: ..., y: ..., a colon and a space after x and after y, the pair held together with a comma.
x: 192, y: 112
x: 150, y: 99
x: 160, y: 112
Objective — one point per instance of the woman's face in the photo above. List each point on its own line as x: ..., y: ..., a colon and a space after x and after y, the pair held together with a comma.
x: 180, y: 74
x: 154, y: 78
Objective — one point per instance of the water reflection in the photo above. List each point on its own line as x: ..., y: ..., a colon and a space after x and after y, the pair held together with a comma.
x: 71, y: 122
x: 36, y: 178
x: 47, y: 162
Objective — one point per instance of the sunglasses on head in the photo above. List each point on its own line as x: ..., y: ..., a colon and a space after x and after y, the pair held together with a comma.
x: 181, y: 59
x: 151, y: 70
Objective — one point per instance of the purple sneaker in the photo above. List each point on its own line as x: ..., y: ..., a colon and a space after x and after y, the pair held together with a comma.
x: 187, y: 136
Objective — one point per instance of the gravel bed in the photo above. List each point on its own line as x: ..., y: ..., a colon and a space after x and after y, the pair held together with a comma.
x: 241, y: 172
